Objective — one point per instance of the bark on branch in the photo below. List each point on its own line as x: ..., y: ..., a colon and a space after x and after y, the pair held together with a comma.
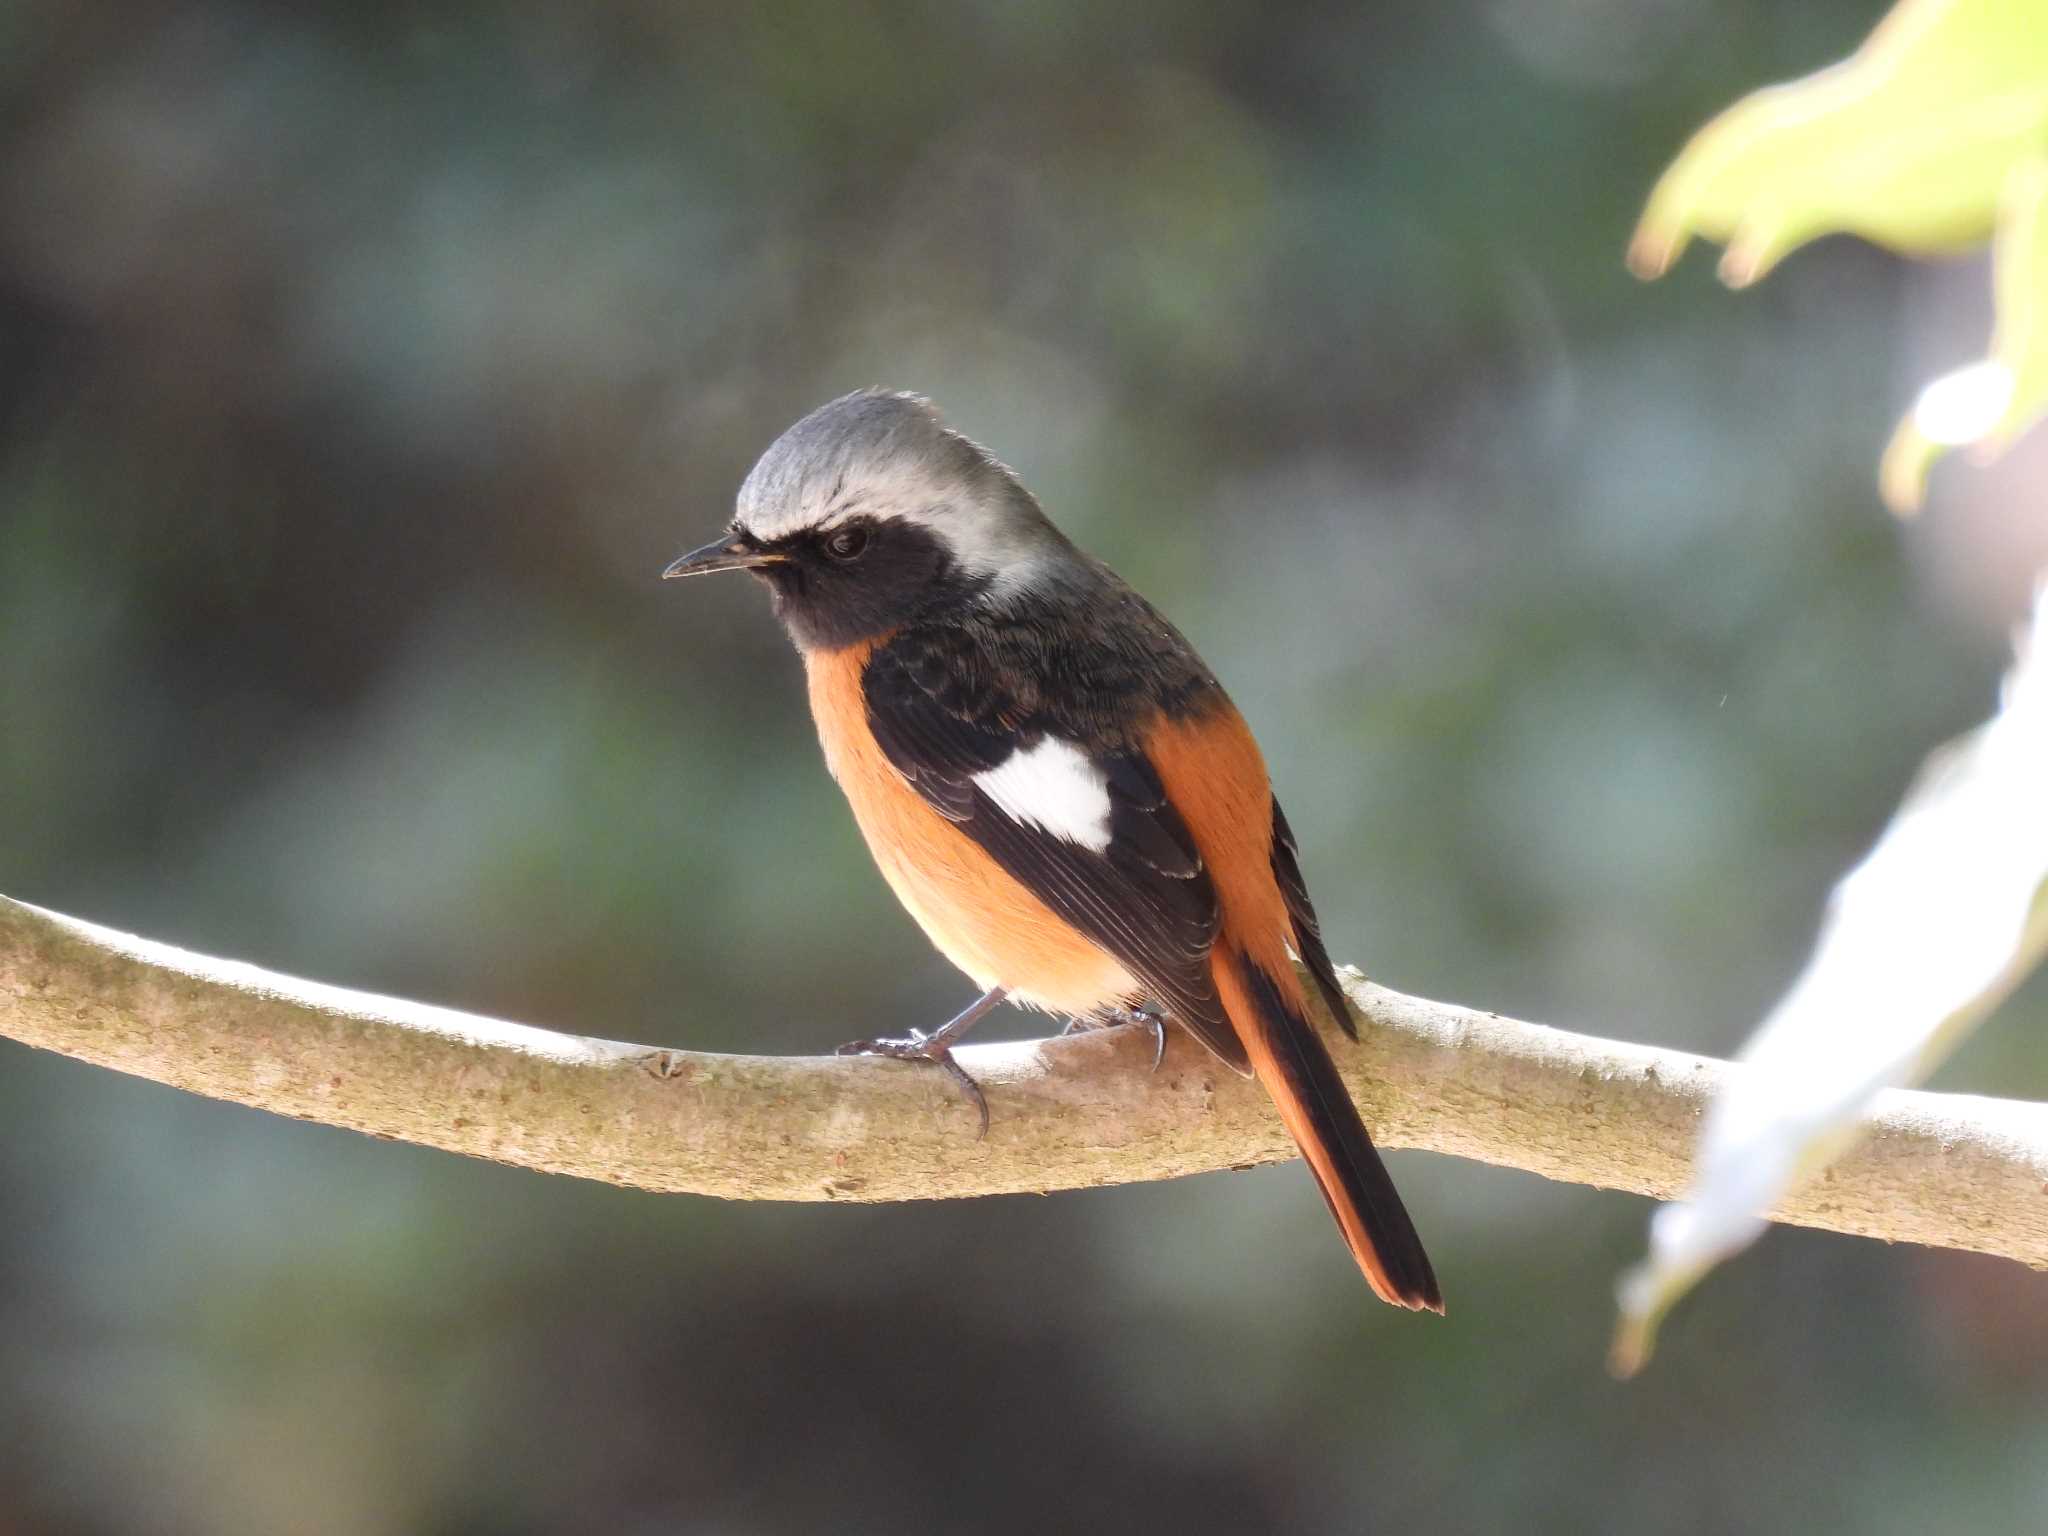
x: 1945, y: 1169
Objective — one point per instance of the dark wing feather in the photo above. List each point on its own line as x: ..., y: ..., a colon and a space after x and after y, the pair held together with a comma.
x: 1146, y: 898
x: 1308, y: 933
x: 938, y: 750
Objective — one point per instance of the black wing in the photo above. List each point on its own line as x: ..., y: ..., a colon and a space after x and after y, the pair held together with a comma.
x: 1145, y: 898
x: 1308, y: 932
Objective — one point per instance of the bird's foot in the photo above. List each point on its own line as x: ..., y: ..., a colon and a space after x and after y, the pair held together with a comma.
x: 1117, y: 1014
x: 937, y: 1048
x: 919, y: 1046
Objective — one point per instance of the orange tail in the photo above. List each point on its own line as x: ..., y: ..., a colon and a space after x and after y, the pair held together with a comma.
x: 1295, y: 1067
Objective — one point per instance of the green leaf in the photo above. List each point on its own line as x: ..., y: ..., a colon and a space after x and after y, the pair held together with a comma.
x: 1909, y: 143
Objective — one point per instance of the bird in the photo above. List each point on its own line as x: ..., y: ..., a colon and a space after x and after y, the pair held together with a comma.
x: 1052, y: 782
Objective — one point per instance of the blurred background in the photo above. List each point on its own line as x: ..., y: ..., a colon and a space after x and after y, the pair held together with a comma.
x: 360, y: 367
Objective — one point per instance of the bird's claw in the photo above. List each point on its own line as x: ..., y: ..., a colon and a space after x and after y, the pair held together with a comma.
x: 1157, y: 1026
x: 1140, y: 1018
x: 919, y: 1046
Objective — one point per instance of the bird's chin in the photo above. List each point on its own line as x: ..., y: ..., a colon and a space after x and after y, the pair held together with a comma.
x: 786, y: 596
x: 785, y: 586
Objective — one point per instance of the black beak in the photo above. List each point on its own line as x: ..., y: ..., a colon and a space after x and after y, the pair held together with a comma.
x: 734, y: 552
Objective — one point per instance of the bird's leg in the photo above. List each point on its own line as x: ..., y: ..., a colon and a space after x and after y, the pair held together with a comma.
x: 1142, y: 1016
x: 937, y: 1047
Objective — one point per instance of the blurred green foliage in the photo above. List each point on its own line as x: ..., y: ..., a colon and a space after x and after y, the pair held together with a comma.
x: 364, y: 364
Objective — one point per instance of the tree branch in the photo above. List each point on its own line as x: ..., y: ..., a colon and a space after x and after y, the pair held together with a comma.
x: 1946, y: 1169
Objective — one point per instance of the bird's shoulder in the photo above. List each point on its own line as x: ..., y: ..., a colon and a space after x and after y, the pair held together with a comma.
x: 1087, y: 660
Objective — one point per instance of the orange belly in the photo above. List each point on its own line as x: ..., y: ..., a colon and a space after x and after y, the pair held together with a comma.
x: 981, y: 918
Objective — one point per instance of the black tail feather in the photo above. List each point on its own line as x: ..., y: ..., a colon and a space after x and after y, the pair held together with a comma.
x: 1308, y: 932
x: 1382, y: 1237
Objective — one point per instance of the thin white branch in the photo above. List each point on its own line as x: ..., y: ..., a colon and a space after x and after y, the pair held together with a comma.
x: 1945, y: 1169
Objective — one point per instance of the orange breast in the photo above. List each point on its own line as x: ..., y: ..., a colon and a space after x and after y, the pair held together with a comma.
x: 981, y: 918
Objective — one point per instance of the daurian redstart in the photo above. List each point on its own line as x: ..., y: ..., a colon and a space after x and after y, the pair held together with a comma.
x: 1051, y: 780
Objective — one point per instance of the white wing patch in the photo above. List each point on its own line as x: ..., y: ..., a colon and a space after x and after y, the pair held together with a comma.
x: 1054, y: 787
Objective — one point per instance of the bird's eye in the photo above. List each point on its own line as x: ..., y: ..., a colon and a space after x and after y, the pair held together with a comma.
x: 847, y: 543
